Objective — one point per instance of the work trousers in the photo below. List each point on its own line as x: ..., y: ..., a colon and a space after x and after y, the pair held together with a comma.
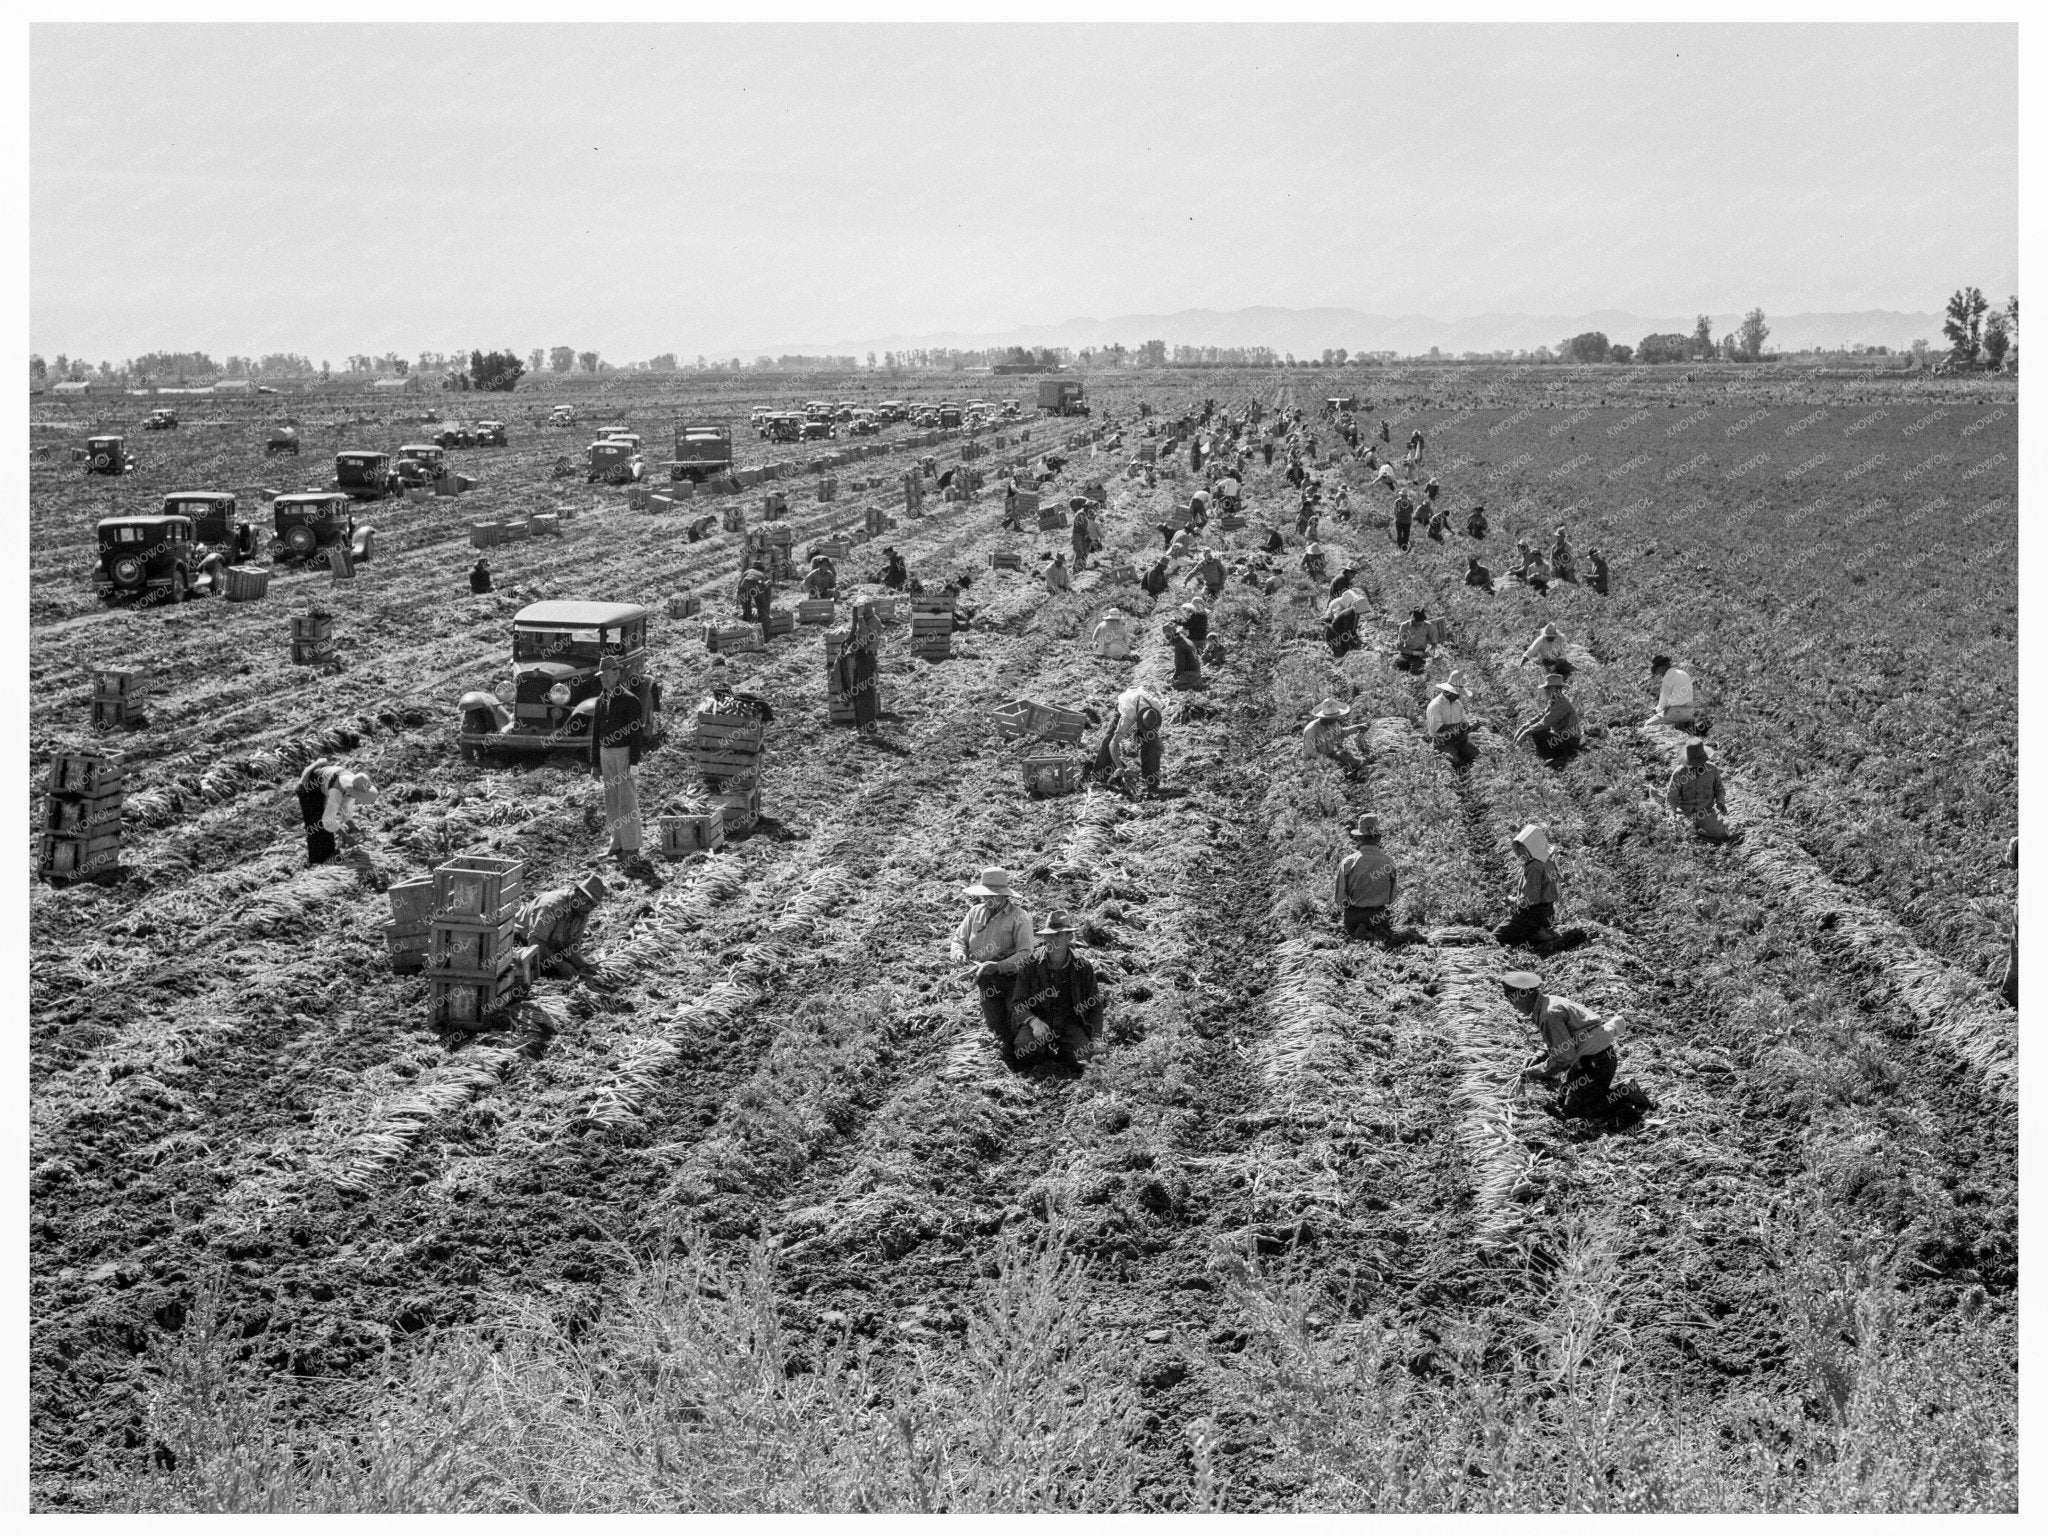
x: 1411, y: 661
x: 1070, y: 1042
x: 1525, y: 924
x: 995, y: 1004
x: 1401, y: 535
x: 1456, y: 744
x: 1267, y: 448
x: 1587, y: 1083
x: 1551, y: 745
x: 621, y: 799
x: 1374, y: 923
x: 1710, y: 826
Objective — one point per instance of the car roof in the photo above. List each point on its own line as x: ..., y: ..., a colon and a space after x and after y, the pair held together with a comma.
x: 296, y: 496
x: 142, y: 517
x: 362, y: 453
x: 571, y: 615
x: 196, y: 495
x: 410, y: 447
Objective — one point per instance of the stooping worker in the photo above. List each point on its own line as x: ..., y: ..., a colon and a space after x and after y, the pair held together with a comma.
x: 1415, y: 442
x: 821, y: 580
x: 480, y: 575
x: 1697, y: 793
x: 1323, y: 736
x: 1112, y: 637
x: 1413, y: 641
x: 1547, y: 651
x: 549, y: 931
x: 1056, y: 577
x: 1228, y: 498
x: 1134, y: 746
x: 1558, y: 730
x: 1439, y: 524
x: 1599, y: 563
x: 754, y: 593
x: 1210, y: 572
x: 1577, y: 1045
x: 328, y: 795
x: 1082, y: 536
x: 1674, y: 693
x: 1476, y: 524
x: 617, y: 734
x: 1156, y: 580
x: 1313, y: 563
x: 1187, y: 661
x: 1536, y: 893
x: 894, y: 572
x: 1341, y: 619
x: 995, y: 938
x: 1477, y: 575
x: 1365, y: 887
x: 1055, y: 1002
x: 1447, y: 724
x: 1194, y: 618
x: 1275, y: 544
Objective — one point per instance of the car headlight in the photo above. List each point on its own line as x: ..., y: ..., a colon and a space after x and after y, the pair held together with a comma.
x: 559, y: 694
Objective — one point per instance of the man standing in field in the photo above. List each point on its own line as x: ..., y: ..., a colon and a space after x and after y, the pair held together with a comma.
x: 1697, y: 793
x: 1404, y: 517
x: 1055, y: 1002
x: 995, y: 937
x: 616, y: 735
x: 755, y: 592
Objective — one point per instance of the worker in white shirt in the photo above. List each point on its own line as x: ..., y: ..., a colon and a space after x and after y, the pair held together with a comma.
x: 996, y: 938
x: 1324, y: 735
x: 1674, y: 693
x: 1112, y: 637
x: 1547, y: 650
x: 1446, y: 724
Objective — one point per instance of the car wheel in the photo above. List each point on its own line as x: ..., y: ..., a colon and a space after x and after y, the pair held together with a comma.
x: 127, y: 572
x: 301, y: 541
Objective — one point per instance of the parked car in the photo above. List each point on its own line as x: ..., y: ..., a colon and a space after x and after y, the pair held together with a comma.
x: 556, y: 648
x: 864, y: 424
x: 313, y: 522
x: 615, y: 461
x: 460, y: 435
x: 107, y: 455
x: 214, y: 522
x: 786, y: 427
x: 282, y: 440
x: 146, y: 556
x: 365, y: 475
x: 162, y: 419
x: 703, y: 449
x: 844, y: 410
x: 817, y: 427
x: 892, y: 410
x: 490, y: 434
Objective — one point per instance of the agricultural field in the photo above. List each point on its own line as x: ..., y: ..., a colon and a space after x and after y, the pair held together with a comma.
x: 761, y: 1220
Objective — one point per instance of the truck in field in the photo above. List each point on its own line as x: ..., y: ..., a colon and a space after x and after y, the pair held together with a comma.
x: 1061, y: 397
x: 703, y: 449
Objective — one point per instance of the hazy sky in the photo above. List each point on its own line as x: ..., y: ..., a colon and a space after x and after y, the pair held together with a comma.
x: 636, y: 190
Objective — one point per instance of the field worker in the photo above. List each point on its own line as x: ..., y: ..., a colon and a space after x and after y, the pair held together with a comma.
x: 1439, y: 524
x: 1413, y: 641
x: 1323, y: 736
x: 1313, y: 563
x: 754, y: 593
x: 1577, y: 1045
x: 1055, y: 1003
x: 549, y: 931
x: 1404, y: 515
x: 1561, y: 561
x: 1536, y: 892
x: 853, y: 670
x: 1536, y: 571
x: 1547, y: 651
x: 616, y: 736
x: 1187, y: 661
x: 1697, y: 793
x: 1340, y: 624
x: 328, y: 796
x: 1429, y: 490
x: 1275, y: 544
x: 1385, y: 437
x: 1557, y: 731
x: 1194, y: 618
x: 1056, y: 578
x: 995, y: 938
x: 821, y: 580
x: 1155, y: 581
x: 1134, y: 746
x: 1475, y: 524
x: 1372, y: 458
x: 1112, y: 637
x: 894, y: 572
x: 1415, y: 445
x: 1082, y: 537
x: 213, y: 573
x: 1229, y: 493
x: 1210, y: 572
x: 480, y: 575
x: 1477, y: 575
x: 1267, y: 449
x: 1365, y: 887
x: 1182, y: 545
x: 1599, y: 563
x: 1674, y: 693
x: 1447, y: 724
x: 1341, y: 582
x: 1385, y: 476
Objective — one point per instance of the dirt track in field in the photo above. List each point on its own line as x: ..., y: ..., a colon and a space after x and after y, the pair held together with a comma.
x: 227, y: 1078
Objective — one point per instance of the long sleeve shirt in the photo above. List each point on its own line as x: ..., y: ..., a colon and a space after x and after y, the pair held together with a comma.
x: 1693, y: 790
x: 1538, y: 884
x: 1057, y: 580
x: 1444, y: 713
x: 1560, y: 715
x: 1323, y: 737
x: 1004, y: 938
x: 1138, y: 720
x: 1675, y: 689
x: 1365, y: 878
x: 1417, y: 636
x: 553, y: 923
x: 339, y: 811
x: 1570, y: 1031
x: 616, y: 722
x: 1112, y: 639
x: 1060, y: 997
x: 1544, y: 649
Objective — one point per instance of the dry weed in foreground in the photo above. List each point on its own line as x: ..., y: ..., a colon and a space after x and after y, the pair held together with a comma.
x: 687, y: 1393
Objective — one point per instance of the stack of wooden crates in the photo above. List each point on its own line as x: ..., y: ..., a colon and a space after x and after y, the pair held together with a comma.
x: 312, y: 638
x: 469, y: 938
x: 81, y: 838
x: 405, y: 936
x: 931, y: 627
x: 117, y: 699
x: 729, y: 751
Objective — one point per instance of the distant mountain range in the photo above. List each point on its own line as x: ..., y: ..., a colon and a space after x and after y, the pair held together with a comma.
x: 1306, y: 332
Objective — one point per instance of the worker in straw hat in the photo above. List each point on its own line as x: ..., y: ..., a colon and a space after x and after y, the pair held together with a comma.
x: 328, y: 796
x: 1557, y: 730
x: 1134, y: 746
x: 1323, y: 736
x: 1112, y: 636
x: 549, y: 930
x: 1561, y: 562
x: 822, y: 579
x: 1056, y: 1006
x: 995, y: 937
x: 1365, y: 887
x: 1697, y: 793
x: 1577, y: 1049
x: 1547, y: 651
x: 1447, y: 723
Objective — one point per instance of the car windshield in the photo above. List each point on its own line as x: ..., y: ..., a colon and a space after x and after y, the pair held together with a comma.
x: 534, y: 644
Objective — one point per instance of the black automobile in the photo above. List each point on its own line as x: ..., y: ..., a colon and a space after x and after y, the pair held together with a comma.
x: 150, y: 556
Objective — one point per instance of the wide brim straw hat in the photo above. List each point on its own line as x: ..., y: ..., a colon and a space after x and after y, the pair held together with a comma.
x: 1454, y: 685
x: 992, y: 881
x: 1059, y: 920
x: 1330, y: 709
x: 1555, y: 680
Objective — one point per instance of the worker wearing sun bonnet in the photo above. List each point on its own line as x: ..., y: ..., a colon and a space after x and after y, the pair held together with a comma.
x: 995, y: 937
x: 1536, y: 892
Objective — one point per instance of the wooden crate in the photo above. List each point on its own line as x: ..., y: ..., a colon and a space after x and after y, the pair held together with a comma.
x: 311, y: 653
x: 728, y: 733
x: 85, y: 773
x: 740, y: 808
x: 682, y: 836
x: 816, y: 610
x: 685, y: 605
x: 477, y: 951
x: 62, y: 857
x: 1005, y: 560
x: 83, y: 815
x: 740, y: 767
x: 728, y: 640
x: 1230, y: 522
x: 341, y: 564
x: 113, y: 683
x: 1057, y: 724
x: 780, y: 622
x: 478, y: 886
x: 1012, y: 720
x: 312, y: 626
x: 828, y: 490
x: 834, y: 549
x: 406, y: 943
x: 733, y: 519
x: 116, y: 714
x: 246, y: 583
x: 773, y: 505
x: 1052, y: 775
x: 459, y: 1003
x: 412, y: 902
x: 1028, y: 504
x: 1051, y: 519
x: 545, y: 524
x: 484, y: 535
x: 517, y: 531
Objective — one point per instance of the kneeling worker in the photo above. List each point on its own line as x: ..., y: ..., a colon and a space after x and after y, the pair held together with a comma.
x: 1365, y: 887
x: 1577, y: 1045
x: 549, y: 930
x: 1055, y: 1006
x: 995, y: 937
x: 1324, y: 735
x: 1447, y: 725
x: 1697, y: 793
x: 1135, y: 744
